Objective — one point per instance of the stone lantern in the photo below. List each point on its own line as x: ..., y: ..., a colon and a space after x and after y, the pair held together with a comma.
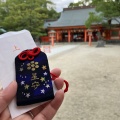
x: 90, y: 36
x: 52, y: 36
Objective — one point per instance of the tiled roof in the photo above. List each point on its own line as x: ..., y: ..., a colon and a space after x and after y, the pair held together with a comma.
x: 74, y: 17
x: 116, y: 21
x: 71, y: 17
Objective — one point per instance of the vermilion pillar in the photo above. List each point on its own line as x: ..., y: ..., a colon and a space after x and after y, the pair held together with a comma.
x: 69, y: 37
x: 119, y: 33
x: 57, y: 36
x: 52, y: 41
x: 90, y: 40
x: 52, y: 36
x: 90, y: 36
x: 85, y: 35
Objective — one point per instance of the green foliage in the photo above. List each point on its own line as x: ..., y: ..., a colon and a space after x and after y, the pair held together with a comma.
x: 79, y: 3
x: 109, y: 9
x: 25, y: 14
x: 93, y: 19
x: 52, y: 14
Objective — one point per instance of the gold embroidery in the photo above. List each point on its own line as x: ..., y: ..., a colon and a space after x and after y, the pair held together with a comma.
x: 34, y: 76
x: 44, y: 67
x: 42, y: 79
x: 37, y: 66
x: 36, y: 63
x: 28, y: 68
x: 33, y: 69
x: 32, y: 61
x: 35, y: 85
x: 26, y: 87
x: 32, y: 65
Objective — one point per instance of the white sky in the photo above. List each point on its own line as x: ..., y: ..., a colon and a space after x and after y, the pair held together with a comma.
x: 60, y: 4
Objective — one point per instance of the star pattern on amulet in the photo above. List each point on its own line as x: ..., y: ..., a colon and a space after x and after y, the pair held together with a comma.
x: 26, y: 87
x: 44, y: 67
x: 42, y: 79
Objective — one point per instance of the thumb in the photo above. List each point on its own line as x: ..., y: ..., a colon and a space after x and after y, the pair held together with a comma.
x: 7, y: 95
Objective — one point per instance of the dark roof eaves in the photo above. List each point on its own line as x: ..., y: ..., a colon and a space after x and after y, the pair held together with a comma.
x: 67, y: 26
x: 72, y: 26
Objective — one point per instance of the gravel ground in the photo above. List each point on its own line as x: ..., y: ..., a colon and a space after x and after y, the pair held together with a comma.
x: 94, y: 78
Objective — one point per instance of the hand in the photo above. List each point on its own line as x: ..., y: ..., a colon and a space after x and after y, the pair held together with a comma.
x: 43, y: 112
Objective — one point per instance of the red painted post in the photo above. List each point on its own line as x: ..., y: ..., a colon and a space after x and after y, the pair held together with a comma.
x: 52, y: 35
x: 57, y: 36
x: 90, y: 40
x: 90, y: 36
x: 85, y: 36
x: 52, y: 41
x: 69, y: 36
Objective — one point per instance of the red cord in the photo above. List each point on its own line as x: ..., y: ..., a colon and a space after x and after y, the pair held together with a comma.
x: 67, y: 86
x: 53, y: 76
x: 29, y: 54
x: 66, y: 83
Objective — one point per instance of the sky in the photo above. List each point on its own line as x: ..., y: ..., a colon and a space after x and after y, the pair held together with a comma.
x: 60, y: 4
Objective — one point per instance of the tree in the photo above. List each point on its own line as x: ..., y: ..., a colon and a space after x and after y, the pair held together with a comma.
x: 79, y: 3
x: 108, y: 10
x: 93, y: 19
x: 25, y: 14
x: 52, y: 14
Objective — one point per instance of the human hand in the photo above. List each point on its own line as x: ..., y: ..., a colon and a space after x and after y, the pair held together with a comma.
x: 42, y: 112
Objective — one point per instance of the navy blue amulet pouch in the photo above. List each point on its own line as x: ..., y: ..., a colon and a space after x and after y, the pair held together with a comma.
x: 33, y: 77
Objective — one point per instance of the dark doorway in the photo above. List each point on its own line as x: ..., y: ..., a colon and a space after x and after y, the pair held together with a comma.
x: 78, y: 36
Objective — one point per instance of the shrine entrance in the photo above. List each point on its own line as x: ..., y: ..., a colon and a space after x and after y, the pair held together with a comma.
x: 78, y: 36
x: 64, y: 37
x: 75, y: 35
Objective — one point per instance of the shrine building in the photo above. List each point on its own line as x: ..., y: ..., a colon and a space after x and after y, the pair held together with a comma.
x: 70, y: 27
